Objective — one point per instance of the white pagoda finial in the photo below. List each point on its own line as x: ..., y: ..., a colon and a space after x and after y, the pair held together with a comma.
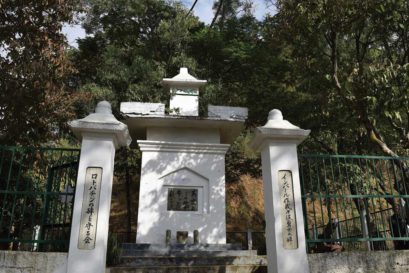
x: 184, y: 93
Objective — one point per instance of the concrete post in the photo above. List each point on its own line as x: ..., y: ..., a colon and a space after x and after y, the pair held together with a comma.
x: 277, y: 141
x: 249, y: 239
x: 364, y: 227
x: 338, y: 234
x: 101, y: 135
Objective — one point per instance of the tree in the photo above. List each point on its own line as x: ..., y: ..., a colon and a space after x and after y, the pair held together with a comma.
x: 225, y: 10
x: 354, y: 56
x: 131, y: 47
x: 35, y: 99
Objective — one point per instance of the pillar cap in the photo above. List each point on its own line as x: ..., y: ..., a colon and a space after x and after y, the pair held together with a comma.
x: 183, y: 79
x: 277, y: 129
x: 102, y: 122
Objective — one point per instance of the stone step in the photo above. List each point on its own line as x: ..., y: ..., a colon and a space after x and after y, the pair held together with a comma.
x: 193, y: 261
x: 186, y: 253
x: 202, y: 247
x: 191, y: 269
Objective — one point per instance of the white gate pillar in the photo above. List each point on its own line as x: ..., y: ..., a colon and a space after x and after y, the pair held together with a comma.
x: 277, y: 141
x: 101, y: 135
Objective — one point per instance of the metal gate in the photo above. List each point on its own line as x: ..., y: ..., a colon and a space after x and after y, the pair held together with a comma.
x: 355, y: 201
x: 37, y: 187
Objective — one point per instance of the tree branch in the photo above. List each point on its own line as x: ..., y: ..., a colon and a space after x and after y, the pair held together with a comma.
x: 324, y: 145
x: 375, y: 137
x: 334, y: 59
x: 400, y: 129
x: 332, y: 42
x: 217, y: 13
x: 407, y: 116
x: 191, y: 9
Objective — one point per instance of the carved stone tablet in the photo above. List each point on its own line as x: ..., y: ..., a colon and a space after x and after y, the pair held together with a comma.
x: 89, y: 212
x: 288, y: 220
x: 180, y: 199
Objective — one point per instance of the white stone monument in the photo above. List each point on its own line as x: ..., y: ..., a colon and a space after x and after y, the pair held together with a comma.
x: 184, y: 93
x: 285, y: 238
x: 101, y: 135
x: 182, y: 185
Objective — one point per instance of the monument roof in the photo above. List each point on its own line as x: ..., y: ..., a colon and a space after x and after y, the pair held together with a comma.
x: 229, y: 128
x: 183, y: 78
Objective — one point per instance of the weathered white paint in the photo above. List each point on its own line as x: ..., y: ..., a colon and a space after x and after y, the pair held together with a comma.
x: 184, y: 104
x: 184, y: 93
x: 183, y: 79
x: 278, y: 141
x: 102, y: 122
x: 195, y: 135
x: 101, y: 134
x: 228, y: 129
x: 227, y: 112
x: 142, y: 108
x: 188, y: 165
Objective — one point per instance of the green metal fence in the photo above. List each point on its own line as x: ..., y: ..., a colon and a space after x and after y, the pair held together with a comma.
x: 357, y: 202
x: 36, y: 195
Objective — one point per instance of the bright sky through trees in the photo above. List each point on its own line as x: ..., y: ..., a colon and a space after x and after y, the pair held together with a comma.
x: 203, y: 10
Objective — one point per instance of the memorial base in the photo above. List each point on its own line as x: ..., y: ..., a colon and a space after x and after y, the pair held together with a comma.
x: 183, y: 258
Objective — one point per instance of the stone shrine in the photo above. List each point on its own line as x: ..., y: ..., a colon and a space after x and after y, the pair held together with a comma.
x: 182, y: 185
x: 182, y: 211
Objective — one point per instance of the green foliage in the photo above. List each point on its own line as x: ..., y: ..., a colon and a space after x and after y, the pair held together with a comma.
x: 241, y: 159
x: 133, y: 45
x: 352, y: 57
x: 27, y: 174
x: 35, y: 99
x: 337, y: 68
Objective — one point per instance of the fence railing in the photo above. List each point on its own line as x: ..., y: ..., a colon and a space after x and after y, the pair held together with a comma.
x: 36, y: 195
x: 359, y: 202
x: 356, y: 202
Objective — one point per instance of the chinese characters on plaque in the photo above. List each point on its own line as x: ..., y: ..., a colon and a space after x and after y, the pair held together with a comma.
x: 180, y: 199
x: 289, y: 224
x: 90, y: 205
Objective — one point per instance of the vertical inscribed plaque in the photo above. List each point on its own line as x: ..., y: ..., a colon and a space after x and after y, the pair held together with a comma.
x: 90, y: 205
x: 288, y: 221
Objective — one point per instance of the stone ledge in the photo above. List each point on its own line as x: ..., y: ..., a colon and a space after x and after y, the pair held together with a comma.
x: 346, y: 262
x: 32, y: 262
x: 142, y: 108
x: 182, y: 147
x: 227, y: 112
x: 191, y: 269
x: 396, y: 261
x: 204, y: 247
